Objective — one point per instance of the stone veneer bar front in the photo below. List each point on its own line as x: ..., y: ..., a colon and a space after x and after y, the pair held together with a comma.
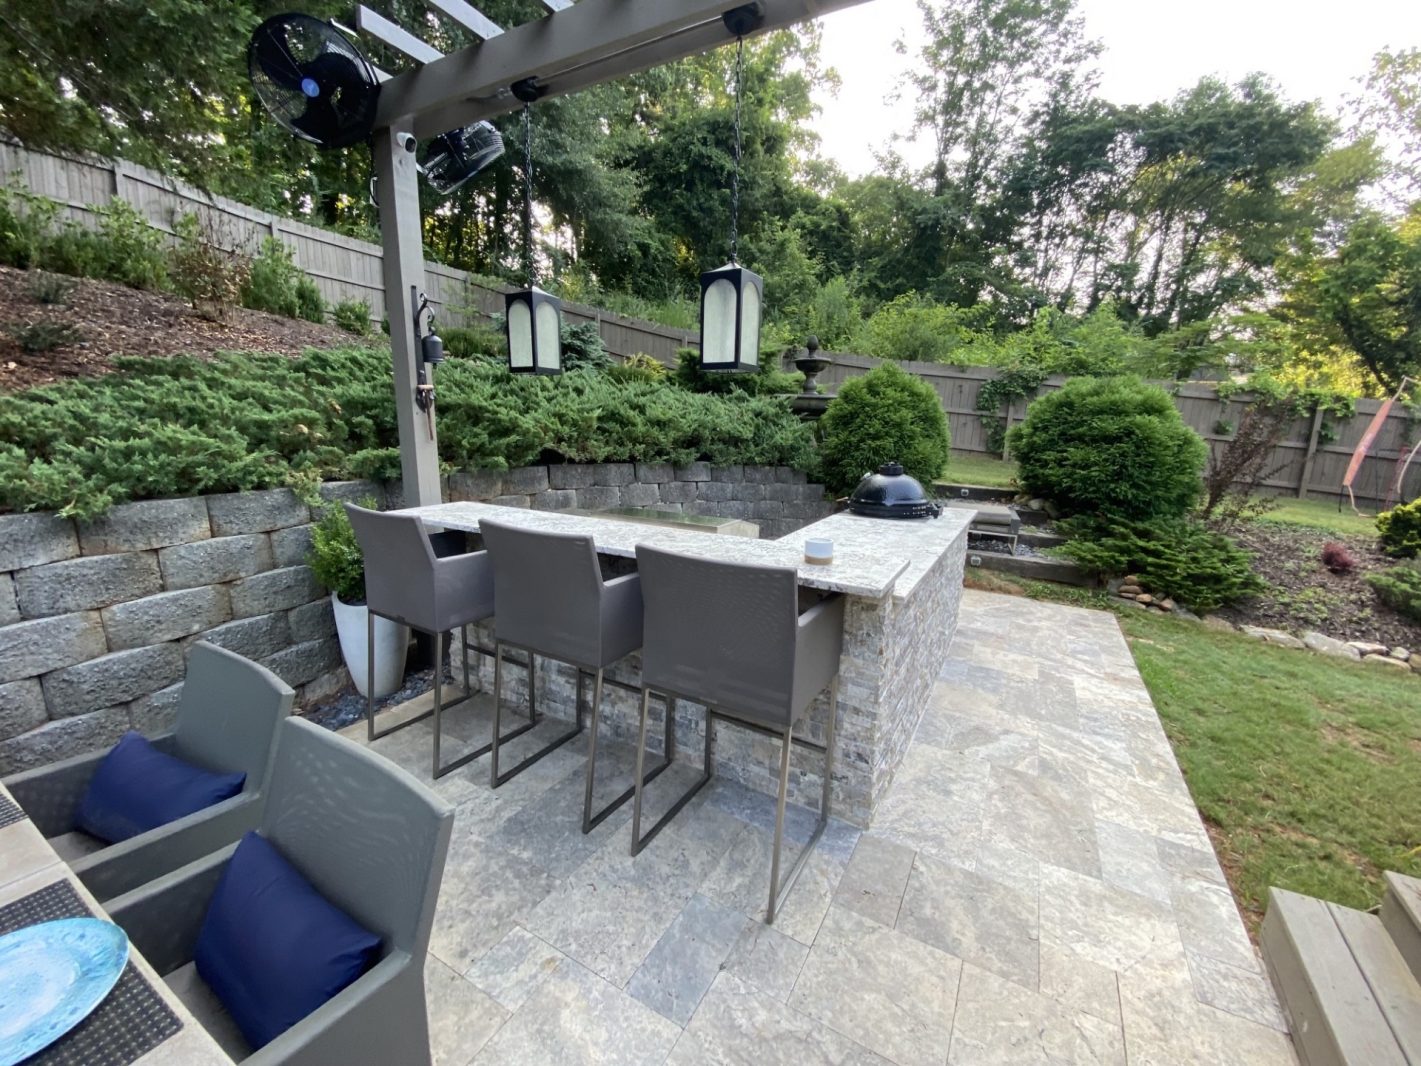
x: 903, y: 580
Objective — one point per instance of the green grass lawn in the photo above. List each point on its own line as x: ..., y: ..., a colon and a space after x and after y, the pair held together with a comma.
x: 1306, y: 769
x: 975, y: 469
x: 1320, y: 514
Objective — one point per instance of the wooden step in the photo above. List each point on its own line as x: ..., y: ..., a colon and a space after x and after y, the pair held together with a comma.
x: 1401, y: 914
x: 1349, y: 996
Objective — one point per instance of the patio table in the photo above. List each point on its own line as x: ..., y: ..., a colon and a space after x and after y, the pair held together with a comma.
x: 140, y: 1022
x: 903, y: 583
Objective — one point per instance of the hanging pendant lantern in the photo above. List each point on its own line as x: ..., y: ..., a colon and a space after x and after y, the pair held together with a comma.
x: 533, y: 317
x: 732, y: 296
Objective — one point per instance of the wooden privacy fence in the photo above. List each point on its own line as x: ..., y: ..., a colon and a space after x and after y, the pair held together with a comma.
x: 345, y: 268
x: 1309, y: 461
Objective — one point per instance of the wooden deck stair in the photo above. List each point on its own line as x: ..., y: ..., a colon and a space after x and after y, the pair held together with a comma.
x: 1349, y: 982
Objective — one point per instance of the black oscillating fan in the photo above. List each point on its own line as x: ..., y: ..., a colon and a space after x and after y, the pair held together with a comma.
x: 453, y: 158
x: 313, y: 79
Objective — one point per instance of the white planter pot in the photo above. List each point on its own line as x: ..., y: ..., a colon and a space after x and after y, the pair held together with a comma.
x: 391, y: 645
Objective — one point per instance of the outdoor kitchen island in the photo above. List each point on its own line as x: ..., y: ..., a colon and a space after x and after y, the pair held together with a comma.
x: 903, y: 582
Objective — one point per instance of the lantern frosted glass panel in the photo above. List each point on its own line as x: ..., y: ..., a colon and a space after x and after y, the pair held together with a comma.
x: 520, y: 336
x: 718, y: 324
x: 549, y: 339
x: 750, y: 325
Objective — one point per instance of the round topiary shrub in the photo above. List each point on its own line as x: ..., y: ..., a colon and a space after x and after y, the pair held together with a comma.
x: 886, y: 415
x: 1109, y: 446
x: 1400, y: 530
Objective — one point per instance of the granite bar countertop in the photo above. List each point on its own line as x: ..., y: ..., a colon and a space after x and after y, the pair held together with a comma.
x: 871, y: 556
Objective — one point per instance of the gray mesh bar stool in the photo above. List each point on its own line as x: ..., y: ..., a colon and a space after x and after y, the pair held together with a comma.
x: 731, y: 637
x: 407, y: 582
x: 552, y: 601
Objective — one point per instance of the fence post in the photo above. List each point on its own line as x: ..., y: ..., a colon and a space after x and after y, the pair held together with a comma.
x: 1306, y: 479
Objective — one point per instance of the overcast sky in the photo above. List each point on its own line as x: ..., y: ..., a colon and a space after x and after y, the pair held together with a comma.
x: 1313, y: 49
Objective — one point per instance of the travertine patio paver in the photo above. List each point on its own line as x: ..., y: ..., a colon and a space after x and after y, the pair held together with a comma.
x: 1037, y: 888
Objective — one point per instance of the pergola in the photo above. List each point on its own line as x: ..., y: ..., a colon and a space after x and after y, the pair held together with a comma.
x: 573, y: 47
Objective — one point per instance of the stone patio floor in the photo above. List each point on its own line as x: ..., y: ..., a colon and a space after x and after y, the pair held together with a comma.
x: 1037, y: 888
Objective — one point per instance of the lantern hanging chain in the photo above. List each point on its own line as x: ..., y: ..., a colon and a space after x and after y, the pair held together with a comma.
x: 528, y: 196
x: 735, y: 174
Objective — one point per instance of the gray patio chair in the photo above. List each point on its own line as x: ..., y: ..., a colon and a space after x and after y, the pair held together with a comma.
x: 372, y: 840
x: 227, y: 721
x: 731, y: 637
x: 409, y: 580
x: 553, y: 601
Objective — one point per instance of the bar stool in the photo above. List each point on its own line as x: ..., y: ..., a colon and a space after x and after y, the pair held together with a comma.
x: 410, y: 582
x: 553, y: 601
x: 731, y: 636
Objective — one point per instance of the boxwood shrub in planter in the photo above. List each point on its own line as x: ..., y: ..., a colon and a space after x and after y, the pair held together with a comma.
x: 886, y: 415
x: 1109, y: 446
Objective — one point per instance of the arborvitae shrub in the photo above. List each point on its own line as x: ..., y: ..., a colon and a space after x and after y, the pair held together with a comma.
x: 886, y: 415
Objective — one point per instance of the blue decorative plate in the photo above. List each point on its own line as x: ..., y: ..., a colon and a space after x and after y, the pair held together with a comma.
x: 51, y: 976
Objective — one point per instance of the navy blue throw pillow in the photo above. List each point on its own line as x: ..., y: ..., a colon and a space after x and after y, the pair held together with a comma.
x: 273, y: 948
x: 137, y: 788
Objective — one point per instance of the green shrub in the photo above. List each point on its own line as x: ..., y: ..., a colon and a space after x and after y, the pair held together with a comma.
x: 310, y: 304
x: 335, y: 556
x: 274, y: 281
x: 47, y: 288
x: 766, y: 380
x: 1110, y: 446
x: 128, y: 250
x: 353, y: 316
x: 582, y: 347
x: 1400, y: 589
x: 25, y: 224
x: 639, y: 367
x: 914, y: 327
x: 1400, y: 530
x: 45, y: 335
x: 885, y: 415
x: 1173, y: 557
x: 183, y: 426
x: 204, y: 273
x: 475, y: 342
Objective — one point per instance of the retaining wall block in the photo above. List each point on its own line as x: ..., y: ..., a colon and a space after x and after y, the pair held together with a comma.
x: 255, y: 638
x: 599, y: 497
x: 710, y: 491
x: 9, y: 607
x: 305, y: 661
x: 526, y: 480
x: 32, y: 648
x: 475, y: 485
x: 511, y: 501
x: 639, y: 495
x: 312, y: 621
x: 111, y: 679
x: 733, y: 474
x: 85, y: 584
x: 572, y: 475
x: 21, y: 707
x: 35, y: 539
x: 166, y: 616
x: 759, y: 474
x: 655, y: 473
x: 235, y: 513
x: 356, y: 492
x: 275, y: 590
x: 679, y: 492
x: 291, y: 546
x: 148, y: 524
x: 555, y: 500
x: 694, y: 472
x: 323, y: 687
x: 614, y: 474
x: 785, y: 474
x: 63, y: 739
x: 767, y: 509
x: 749, y: 491
x: 208, y: 562
x: 157, y: 712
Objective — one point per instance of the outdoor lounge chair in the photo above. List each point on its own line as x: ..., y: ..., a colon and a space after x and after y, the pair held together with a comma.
x: 227, y: 721
x: 372, y: 841
x: 553, y: 601
x: 731, y: 636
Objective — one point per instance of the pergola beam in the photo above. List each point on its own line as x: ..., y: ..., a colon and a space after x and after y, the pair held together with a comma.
x: 590, y: 42
x: 468, y: 16
x: 396, y: 36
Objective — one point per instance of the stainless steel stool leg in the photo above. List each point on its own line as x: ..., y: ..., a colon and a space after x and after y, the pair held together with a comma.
x: 590, y: 821
x: 496, y: 778
x: 669, y: 752
x: 779, y: 893
x: 371, y: 733
x: 438, y: 697
x: 779, y: 828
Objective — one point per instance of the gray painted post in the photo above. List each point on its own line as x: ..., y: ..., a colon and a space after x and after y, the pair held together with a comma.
x: 403, y: 267
x: 1306, y: 478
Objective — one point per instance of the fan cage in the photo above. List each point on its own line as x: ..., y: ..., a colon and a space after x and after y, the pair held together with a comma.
x: 456, y: 156
x: 292, y: 50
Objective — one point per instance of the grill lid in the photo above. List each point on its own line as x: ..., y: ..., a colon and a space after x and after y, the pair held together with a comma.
x: 890, y: 493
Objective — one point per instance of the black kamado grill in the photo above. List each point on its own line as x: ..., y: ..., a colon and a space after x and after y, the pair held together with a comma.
x: 890, y: 493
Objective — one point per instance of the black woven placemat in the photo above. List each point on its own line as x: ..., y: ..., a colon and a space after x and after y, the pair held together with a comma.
x: 130, y: 1022
x: 10, y: 812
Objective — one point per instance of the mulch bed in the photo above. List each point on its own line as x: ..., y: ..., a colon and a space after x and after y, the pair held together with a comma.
x: 116, y: 320
x: 1303, y: 594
